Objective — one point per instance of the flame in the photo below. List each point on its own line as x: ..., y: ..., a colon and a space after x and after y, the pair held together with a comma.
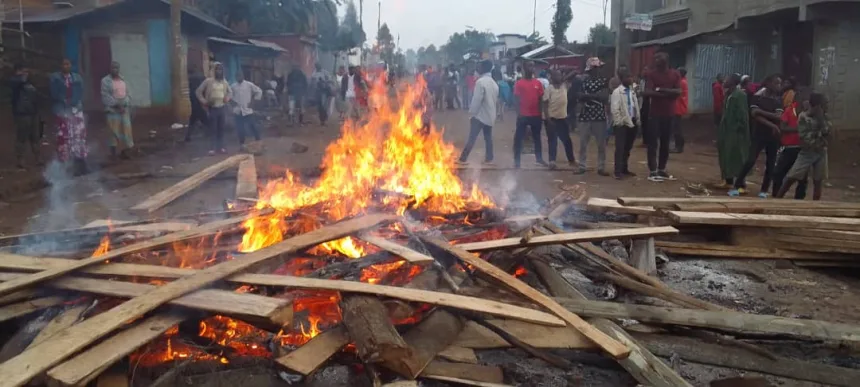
x: 346, y: 246
x: 521, y: 271
x: 104, y: 246
x: 387, y: 152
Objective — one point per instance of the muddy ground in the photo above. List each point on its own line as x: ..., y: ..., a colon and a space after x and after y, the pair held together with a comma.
x: 756, y: 286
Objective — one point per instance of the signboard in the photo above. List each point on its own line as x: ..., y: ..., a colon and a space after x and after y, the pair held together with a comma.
x: 639, y: 21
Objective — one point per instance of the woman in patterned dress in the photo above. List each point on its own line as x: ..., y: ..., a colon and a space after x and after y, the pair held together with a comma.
x: 66, y: 95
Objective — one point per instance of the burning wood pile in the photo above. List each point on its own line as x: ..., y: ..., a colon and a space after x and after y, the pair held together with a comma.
x: 387, y: 263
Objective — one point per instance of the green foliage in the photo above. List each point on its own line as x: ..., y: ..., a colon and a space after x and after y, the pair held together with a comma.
x: 385, y: 42
x: 350, y: 34
x: 430, y: 56
x: 561, y: 22
x: 536, y: 38
x: 265, y: 16
x: 327, y: 24
x: 600, y: 34
x: 461, y: 43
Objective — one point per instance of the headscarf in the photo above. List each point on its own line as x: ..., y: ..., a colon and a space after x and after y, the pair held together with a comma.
x: 592, y: 63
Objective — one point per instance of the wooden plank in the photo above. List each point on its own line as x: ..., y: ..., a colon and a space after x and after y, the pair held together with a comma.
x: 643, y: 257
x: 574, y: 237
x: 315, y: 352
x: 20, y: 295
x: 376, y: 340
x: 609, y: 345
x: 465, y: 382
x: 397, y: 249
x: 414, y: 295
x: 735, y: 321
x: 12, y: 311
x: 752, y: 208
x: 459, y: 354
x: 474, y: 372
x: 20, y: 369
x: 740, y: 252
x: 170, y: 194
x: 269, y: 312
x: 607, y: 205
x: 755, y: 220
x: 476, y: 336
x: 246, y: 179
x: 65, y: 319
x: 33, y: 279
x: 426, y: 340
x: 84, y: 367
x: 670, y: 202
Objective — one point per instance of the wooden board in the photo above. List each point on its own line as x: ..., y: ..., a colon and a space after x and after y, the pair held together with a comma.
x: 65, y: 319
x: 30, y: 280
x: 84, y: 367
x: 246, y: 179
x: 670, y: 202
x: 315, y: 352
x: 609, y: 345
x: 733, y: 321
x: 397, y: 249
x: 475, y: 372
x: 465, y: 382
x: 754, y: 208
x: 755, y: 220
x: 574, y: 237
x: 20, y: 369
x: 11, y: 311
x: 608, y: 205
x: 459, y: 354
x: 414, y: 295
x: 162, y: 198
x: 739, y: 252
x: 476, y: 336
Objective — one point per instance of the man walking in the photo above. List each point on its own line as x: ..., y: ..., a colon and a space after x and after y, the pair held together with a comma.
x: 594, y: 96
x: 351, y: 85
x: 25, y: 109
x: 529, y: 95
x: 244, y: 93
x: 681, y: 109
x: 555, y: 111
x: 482, y: 109
x: 297, y: 88
x: 663, y: 87
x: 117, y: 101
x: 214, y: 94
x: 625, y: 120
x: 321, y: 83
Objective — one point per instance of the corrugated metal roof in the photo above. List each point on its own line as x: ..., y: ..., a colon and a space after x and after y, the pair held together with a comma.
x: 682, y: 36
x: 270, y: 45
x: 229, y: 41
x: 543, y: 49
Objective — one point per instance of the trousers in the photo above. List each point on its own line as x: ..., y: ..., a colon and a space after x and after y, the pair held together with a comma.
x: 535, y: 124
x: 587, y: 130
x: 476, y: 127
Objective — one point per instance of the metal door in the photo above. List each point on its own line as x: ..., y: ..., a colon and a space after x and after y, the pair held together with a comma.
x: 132, y: 53
x: 713, y: 59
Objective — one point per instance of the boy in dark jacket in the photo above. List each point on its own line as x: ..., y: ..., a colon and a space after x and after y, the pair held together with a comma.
x: 25, y: 111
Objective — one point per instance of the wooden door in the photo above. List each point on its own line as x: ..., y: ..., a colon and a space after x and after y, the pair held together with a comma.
x: 99, y: 64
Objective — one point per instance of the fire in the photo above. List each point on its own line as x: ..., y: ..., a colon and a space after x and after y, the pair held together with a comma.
x: 387, y: 152
x: 346, y: 246
x: 104, y: 247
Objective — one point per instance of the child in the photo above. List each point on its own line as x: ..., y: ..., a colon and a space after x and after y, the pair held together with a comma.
x: 814, y: 129
x: 733, y: 134
x: 626, y: 115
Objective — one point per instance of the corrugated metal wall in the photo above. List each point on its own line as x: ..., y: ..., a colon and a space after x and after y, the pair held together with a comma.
x: 132, y: 53
x: 713, y: 59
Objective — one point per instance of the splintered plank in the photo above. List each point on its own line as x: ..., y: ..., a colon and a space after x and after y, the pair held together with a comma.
x: 20, y: 369
x: 397, y: 249
x: 11, y: 311
x: 608, y: 344
x: 65, y: 319
x: 459, y: 354
x: 162, y: 198
x: 756, y: 220
x: 473, y: 372
x: 33, y: 279
x: 86, y: 366
x: 315, y: 352
x: 574, y: 237
x: 608, y: 205
x: 246, y: 179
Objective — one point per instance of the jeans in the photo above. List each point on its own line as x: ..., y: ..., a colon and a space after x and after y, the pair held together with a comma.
x: 296, y: 108
x: 477, y: 127
x: 217, y: 116
x: 658, y: 137
x: 557, y: 130
x: 245, y: 123
x: 625, y: 136
x: 322, y: 107
x: 587, y: 130
x: 678, y: 133
x: 520, y: 134
x: 762, y: 140
x: 784, y: 161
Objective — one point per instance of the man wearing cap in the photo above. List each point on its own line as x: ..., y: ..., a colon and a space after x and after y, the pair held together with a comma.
x: 592, y: 118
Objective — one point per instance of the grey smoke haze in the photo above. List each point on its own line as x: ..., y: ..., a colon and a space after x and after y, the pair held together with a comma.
x: 421, y: 22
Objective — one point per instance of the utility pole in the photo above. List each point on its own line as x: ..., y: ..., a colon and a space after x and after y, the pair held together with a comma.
x: 534, y: 19
x: 379, y: 19
x: 605, y: 4
x: 178, y: 77
x: 361, y: 14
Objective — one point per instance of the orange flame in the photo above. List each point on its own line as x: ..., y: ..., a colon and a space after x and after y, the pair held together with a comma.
x: 387, y: 152
x: 104, y: 246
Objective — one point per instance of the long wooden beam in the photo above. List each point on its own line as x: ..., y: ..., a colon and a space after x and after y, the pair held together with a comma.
x: 609, y: 205
x: 397, y: 249
x: 754, y: 208
x: 20, y: 369
x: 756, y: 220
x: 670, y: 202
x: 11, y: 311
x: 608, y: 344
x: 718, y: 320
x: 742, y: 252
x: 573, y: 237
x: 33, y: 279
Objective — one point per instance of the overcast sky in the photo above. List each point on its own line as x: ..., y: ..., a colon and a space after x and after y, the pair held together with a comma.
x: 422, y: 22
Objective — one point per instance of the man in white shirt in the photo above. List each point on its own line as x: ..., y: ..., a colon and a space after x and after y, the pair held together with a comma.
x: 483, y: 112
x: 244, y: 93
x: 349, y: 91
x: 626, y: 118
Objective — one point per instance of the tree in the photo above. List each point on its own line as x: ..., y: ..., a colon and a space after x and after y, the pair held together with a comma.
x: 411, y: 58
x: 327, y: 25
x: 600, y: 34
x: 561, y: 22
x: 536, y: 38
x: 385, y: 43
x: 461, y: 43
x: 264, y: 16
x: 430, y: 56
x: 351, y: 34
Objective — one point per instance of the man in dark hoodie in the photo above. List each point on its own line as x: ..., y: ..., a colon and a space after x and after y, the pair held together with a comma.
x: 25, y: 111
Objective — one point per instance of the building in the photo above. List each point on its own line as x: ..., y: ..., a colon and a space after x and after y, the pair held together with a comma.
x: 806, y: 39
x: 554, y: 55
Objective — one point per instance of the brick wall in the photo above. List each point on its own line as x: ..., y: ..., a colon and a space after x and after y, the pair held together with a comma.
x: 835, y: 59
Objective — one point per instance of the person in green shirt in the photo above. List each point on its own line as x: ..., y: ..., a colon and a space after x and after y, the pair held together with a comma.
x: 733, y: 133
x: 814, y: 129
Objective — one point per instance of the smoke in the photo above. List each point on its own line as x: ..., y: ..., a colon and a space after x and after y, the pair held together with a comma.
x: 509, y: 194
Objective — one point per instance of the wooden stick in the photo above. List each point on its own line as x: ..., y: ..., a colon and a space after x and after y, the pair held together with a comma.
x: 669, y: 202
x: 315, y: 352
x: 399, y: 250
x: 30, y: 280
x: 476, y: 336
x: 162, y: 198
x: 612, y: 347
x: 9, y: 312
x: 575, y: 237
x: 86, y: 366
x: 718, y: 320
x: 375, y: 338
x: 246, y: 179
x: 755, y: 220
x: 742, y: 252
x: 20, y: 369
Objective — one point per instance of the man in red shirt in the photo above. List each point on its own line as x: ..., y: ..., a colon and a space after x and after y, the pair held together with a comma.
x: 790, y: 141
x: 719, y: 94
x: 664, y: 88
x: 681, y: 109
x: 528, y: 93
